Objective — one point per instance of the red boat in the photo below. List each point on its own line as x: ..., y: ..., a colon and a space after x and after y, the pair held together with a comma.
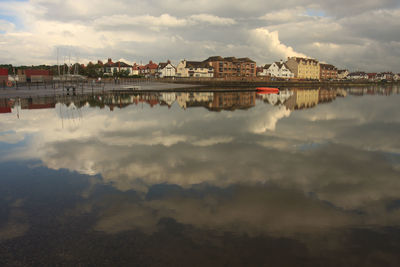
x: 268, y: 89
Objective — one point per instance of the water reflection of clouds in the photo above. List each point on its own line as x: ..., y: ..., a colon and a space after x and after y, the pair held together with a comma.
x: 138, y: 148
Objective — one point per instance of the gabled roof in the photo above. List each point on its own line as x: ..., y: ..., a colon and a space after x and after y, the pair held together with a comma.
x: 266, y: 66
x: 246, y: 59
x: 327, y: 66
x: 214, y: 58
x: 151, y: 65
x: 357, y: 73
x: 229, y: 59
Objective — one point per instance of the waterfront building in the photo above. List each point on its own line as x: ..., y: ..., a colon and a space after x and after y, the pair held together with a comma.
x: 342, y: 74
x: 304, y: 68
x: 196, y: 69
x: 35, y: 75
x: 372, y: 76
x: 277, y: 70
x: 150, y: 69
x: 385, y: 76
x: 135, y: 69
x: 166, y: 69
x: 358, y: 75
x: 328, y: 72
x: 3, y: 76
x: 232, y: 67
x: 110, y: 67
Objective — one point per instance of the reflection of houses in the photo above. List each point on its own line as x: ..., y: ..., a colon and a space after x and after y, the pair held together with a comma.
x: 167, y: 98
x: 302, y: 99
x: 194, y: 69
x: 304, y: 68
x: 277, y: 99
x: 326, y: 95
x: 38, y: 103
x: 233, y: 100
x: 5, y: 106
x: 194, y: 99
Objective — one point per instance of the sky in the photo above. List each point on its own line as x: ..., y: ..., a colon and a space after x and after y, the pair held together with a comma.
x: 356, y: 35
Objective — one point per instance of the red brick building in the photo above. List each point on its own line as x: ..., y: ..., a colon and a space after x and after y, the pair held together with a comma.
x: 3, y: 76
x: 328, y: 72
x: 232, y: 67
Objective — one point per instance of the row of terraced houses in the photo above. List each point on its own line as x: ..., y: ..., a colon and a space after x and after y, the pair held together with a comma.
x: 228, y: 67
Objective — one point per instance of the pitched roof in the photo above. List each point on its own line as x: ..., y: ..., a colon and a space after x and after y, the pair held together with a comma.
x: 229, y: 59
x: 197, y: 64
x: 214, y: 58
x: 327, y: 66
x: 246, y: 59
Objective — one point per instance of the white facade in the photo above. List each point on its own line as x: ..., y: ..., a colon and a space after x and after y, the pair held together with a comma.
x: 194, y: 69
x: 166, y: 70
x: 357, y: 76
x: 278, y: 70
x: 342, y: 74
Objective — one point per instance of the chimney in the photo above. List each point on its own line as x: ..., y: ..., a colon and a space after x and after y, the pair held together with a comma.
x: 109, y: 60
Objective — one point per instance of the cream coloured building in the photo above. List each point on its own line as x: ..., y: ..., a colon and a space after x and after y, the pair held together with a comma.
x: 194, y: 69
x: 304, y: 68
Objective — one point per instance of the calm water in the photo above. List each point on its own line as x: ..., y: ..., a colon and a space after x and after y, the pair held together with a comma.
x: 306, y: 178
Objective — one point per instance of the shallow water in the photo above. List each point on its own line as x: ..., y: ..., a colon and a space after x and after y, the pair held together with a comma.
x: 306, y: 178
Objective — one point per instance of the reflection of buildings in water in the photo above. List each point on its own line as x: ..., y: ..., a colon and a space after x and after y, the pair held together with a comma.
x: 194, y: 99
x: 38, y: 103
x: 302, y: 99
x: 277, y: 99
x: 326, y: 95
x: 5, y: 106
x: 374, y: 90
x: 167, y: 98
x: 216, y: 101
x: 233, y: 100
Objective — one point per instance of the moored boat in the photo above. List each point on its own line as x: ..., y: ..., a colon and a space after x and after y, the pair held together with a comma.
x: 268, y: 89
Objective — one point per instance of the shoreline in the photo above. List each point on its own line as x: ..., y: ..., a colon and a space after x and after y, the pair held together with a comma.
x: 177, y: 85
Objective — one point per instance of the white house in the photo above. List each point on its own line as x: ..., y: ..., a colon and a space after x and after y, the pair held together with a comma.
x: 278, y: 70
x: 359, y: 75
x: 194, y: 69
x: 166, y: 70
x: 110, y: 67
x: 342, y: 74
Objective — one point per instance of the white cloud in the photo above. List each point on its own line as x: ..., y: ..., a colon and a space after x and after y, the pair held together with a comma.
x: 266, y: 43
x: 350, y: 35
x: 211, y: 19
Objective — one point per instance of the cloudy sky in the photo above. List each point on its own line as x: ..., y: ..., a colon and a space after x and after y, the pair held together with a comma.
x: 358, y: 35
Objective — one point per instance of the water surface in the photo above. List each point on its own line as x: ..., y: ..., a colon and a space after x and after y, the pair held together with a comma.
x: 305, y: 178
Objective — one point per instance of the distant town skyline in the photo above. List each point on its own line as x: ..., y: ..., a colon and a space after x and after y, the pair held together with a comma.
x: 349, y: 34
